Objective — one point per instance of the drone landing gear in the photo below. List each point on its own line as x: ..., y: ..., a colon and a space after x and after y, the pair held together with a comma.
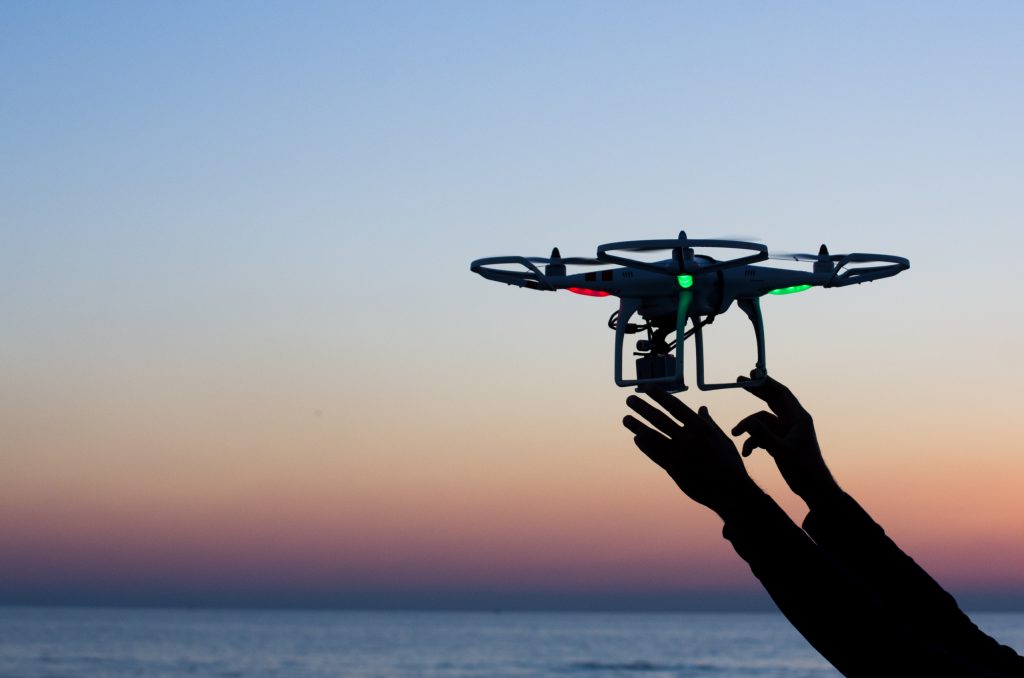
x: 752, y: 307
x: 657, y: 366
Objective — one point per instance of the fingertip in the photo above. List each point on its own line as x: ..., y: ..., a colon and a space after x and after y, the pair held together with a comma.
x: 747, y: 384
x: 702, y: 410
x: 736, y: 430
x: 634, y: 425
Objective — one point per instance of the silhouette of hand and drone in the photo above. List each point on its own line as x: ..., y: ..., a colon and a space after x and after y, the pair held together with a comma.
x: 865, y: 605
x: 852, y: 593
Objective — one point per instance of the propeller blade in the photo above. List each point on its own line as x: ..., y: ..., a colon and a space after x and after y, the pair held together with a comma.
x: 583, y: 261
x: 822, y: 256
x: 571, y: 261
x: 646, y: 249
x: 793, y: 256
x: 736, y: 236
x: 683, y: 237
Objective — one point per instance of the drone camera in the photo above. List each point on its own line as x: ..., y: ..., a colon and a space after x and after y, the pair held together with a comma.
x: 655, y: 366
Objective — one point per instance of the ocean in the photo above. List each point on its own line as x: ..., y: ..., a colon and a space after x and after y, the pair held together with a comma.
x: 63, y: 642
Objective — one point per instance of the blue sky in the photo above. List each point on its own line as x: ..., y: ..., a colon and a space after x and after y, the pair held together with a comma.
x: 215, y: 216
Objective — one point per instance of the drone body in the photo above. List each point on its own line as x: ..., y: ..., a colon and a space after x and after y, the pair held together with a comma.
x: 684, y: 287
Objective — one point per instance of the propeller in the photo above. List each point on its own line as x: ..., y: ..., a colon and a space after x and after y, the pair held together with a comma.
x: 557, y: 258
x: 793, y: 256
x: 682, y: 248
x: 556, y: 263
x: 732, y: 237
x: 739, y: 236
x: 823, y: 261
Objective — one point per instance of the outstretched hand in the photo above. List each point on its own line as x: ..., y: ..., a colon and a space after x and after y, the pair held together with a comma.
x: 694, y: 451
x: 787, y: 434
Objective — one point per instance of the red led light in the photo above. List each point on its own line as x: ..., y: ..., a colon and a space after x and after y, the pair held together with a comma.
x: 587, y: 293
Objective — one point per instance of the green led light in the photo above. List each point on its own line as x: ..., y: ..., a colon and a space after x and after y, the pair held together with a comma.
x: 791, y: 290
x: 685, y: 281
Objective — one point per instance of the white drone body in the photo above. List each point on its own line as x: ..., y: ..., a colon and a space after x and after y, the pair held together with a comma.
x: 684, y: 287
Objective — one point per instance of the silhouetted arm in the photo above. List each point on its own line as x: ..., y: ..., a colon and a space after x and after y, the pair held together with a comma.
x: 833, y: 610
x: 837, y: 614
x: 848, y: 534
x: 842, y: 528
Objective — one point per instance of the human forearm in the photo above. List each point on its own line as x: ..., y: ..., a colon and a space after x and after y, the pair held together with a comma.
x: 834, y: 611
x: 821, y: 490
x: 844, y: 530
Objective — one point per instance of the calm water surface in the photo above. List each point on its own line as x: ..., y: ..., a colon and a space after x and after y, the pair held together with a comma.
x: 37, y: 642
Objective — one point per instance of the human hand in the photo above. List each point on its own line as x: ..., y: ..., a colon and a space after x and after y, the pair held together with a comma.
x: 697, y: 454
x: 787, y: 434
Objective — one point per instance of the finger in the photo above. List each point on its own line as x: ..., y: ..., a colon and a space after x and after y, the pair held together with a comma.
x: 656, y: 417
x: 777, y: 395
x: 637, y: 427
x: 677, y: 408
x: 749, y: 445
x: 762, y: 435
x: 654, y: 446
x: 704, y: 414
x: 770, y: 420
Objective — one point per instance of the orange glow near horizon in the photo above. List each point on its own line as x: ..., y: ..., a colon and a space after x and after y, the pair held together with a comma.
x: 437, y: 506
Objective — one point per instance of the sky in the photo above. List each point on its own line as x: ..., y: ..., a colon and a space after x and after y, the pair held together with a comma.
x: 244, y: 361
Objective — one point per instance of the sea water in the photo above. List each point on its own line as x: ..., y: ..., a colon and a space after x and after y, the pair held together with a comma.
x: 59, y: 642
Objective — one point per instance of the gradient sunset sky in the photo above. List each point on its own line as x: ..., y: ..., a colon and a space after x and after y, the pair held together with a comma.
x: 244, y: 360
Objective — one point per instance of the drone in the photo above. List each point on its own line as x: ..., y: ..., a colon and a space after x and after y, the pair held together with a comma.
x: 684, y: 287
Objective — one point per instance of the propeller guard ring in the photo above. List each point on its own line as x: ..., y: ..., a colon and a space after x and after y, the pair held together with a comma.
x: 854, y: 276
x: 519, y: 278
x: 678, y: 245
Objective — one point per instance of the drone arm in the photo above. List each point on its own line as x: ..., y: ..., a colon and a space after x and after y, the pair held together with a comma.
x: 532, y: 277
